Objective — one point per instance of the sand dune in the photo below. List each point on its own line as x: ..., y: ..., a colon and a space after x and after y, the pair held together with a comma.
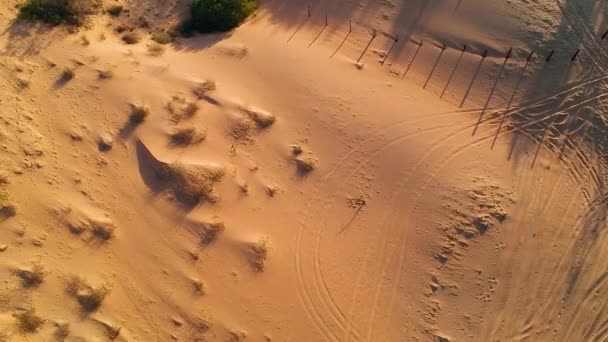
x: 394, y: 170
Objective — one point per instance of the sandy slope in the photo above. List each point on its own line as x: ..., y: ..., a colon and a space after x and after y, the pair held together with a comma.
x: 406, y: 227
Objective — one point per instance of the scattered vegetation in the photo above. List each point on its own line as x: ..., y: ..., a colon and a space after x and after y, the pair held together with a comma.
x: 199, y: 286
x: 218, y: 15
x: 67, y: 74
x: 155, y: 49
x: 261, y: 118
x: 56, y: 12
x: 131, y: 38
x: 163, y: 37
x: 28, y: 321
x: 187, y: 136
x: 182, y: 109
x: 7, y: 209
x: 103, y: 230
x: 88, y: 297
x: 210, y: 230
x: 114, y: 10
x: 296, y: 150
x: 139, y: 114
x: 242, y: 129
x: 62, y: 331
x: 31, y: 277
x: 305, y: 164
x: 259, y: 253
x: 105, y: 74
x: 203, y: 88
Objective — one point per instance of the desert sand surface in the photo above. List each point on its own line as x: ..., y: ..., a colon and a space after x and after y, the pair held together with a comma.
x: 328, y: 171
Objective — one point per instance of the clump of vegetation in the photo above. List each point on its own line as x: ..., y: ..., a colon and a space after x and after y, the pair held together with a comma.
x: 138, y: 114
x: 131, y: 38
x: 28, y: 321
x: 261, y: 118
x: 182, y: 109
x: 162, y: 37
x: 211, y: 229
x: 155, y: 49
x: 31, y: 277
x: 203, y: 88
x: 56, y: 12
x: 187, y: 135
x: 114, y: 10
x: 62, y: 331
x: 7, y: 209
x: 218, y: 15
x: 305, y: 164
x: 88, y: 297
x: 67, y: 74
x: 259, y: 253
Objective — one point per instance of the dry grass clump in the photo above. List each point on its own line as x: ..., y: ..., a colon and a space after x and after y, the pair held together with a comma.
x: 105, y: 74
x: 210, y: 230
x: 261, y: 118
x: 242, y: 130
x: 203, y: 88
x: 259, y: 253
x: 155, y: 49
x: 162, y: 37
x: 102, y: 229
x: 31, y: 277
x: 131, y: 38
x: 114, y: 10
x: 138, y: 114
x: 62, y: 331
x: 181, y: 109
x: 55, y: 12
x: 187, y: 136
x: 7, y: 209
x: 67, y: 74
x: 28, y: 321
x: 191, y: 184
x: 305, y: 164
x: 88, y: 297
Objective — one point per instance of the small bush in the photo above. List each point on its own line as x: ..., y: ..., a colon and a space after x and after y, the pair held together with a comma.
x: 218, y: 15
x: 55, y: 12
x: 28, y: 321
x: 138, y: 114
x: 162, y: 37
x: 115, y: 10
x: 31, y: 277
x: 88, y: 297
x: 131, y: 38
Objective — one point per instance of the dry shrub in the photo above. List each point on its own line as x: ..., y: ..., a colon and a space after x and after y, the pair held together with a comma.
x: 62, y: 331
x: 131, y: 38
x: 7, y: 209
x: 114, y: 10
x: 102, y: 229
x: 138, y: 114
x: 31, y: 277
x: 187, y: 136
x: 88, y: 297
x: 67, y: 74
x: 210, y: 230
x: 162, y: 37
x: 305, y: 164
x: 261, y: 118
x: 242, y: 130
x: 105, y: 74
x: 55, y: 12
x: 182, y: 109
x: 28, y: 321
x: 191, y: 184
x: 259, y: 253
x: 203, y: 88
x: 155, y: 49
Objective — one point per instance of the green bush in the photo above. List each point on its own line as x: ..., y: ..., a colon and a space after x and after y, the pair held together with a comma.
x: 219, y: 15
x: 57, y: 12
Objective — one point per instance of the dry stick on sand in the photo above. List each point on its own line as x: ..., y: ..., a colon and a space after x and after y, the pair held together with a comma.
x: 466, y: 95
x: 358, y: 203
x: 434, y: 66
x: 515, y: 90
x: 395, y: 40
x: 374, y: 34
x: 350, y: 30
x: 464, y: 49
x: 320, y: 33
x: 301, y: 25
x: 485, y: 107
x: 413, y: 58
